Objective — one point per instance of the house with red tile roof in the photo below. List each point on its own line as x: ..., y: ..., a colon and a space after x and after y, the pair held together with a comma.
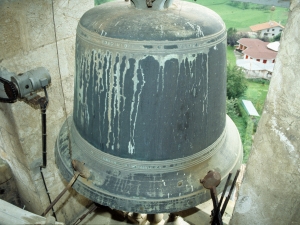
x: 269, y: 29
x: 257, y: 57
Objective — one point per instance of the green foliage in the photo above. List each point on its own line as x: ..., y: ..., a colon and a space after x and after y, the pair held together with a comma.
x: 248, y: 131
x: 262, y: 7
x: 245, y: 5
x: 236, y: 82
x: 247, y: 141
x: 264, y: 38
x: 231, y: 107
x: 259, y: 81
x: 256, y: 92
x: 277, y: 37
x: 233, y: 36
x: 234, y: 3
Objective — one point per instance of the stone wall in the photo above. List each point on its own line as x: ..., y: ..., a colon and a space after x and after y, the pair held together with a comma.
x: 37, y: 33
x: 270, y: 191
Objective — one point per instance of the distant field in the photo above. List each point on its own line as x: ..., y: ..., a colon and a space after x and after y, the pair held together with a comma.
x: 237, y: 17
x: 240, y: 18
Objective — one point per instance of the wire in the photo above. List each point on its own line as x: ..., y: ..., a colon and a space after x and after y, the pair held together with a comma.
x: 41, y: 170
x: 61, y: 85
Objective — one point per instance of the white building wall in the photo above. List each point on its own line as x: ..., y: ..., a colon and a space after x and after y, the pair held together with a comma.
x: 271, y: 32
x: 269, y: 61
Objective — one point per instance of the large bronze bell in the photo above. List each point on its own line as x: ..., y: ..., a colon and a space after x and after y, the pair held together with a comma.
x: 149, y: 115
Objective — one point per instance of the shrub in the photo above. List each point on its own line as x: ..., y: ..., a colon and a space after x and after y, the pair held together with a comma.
x: 232, y: 107
x: 236, y: 82
x: 260, y: 81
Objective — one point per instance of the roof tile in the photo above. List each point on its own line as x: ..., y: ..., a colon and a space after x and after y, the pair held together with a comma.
x: 266, y: 25
x: 257, y: 49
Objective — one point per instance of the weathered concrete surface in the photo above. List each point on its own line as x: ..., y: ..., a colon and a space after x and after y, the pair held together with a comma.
x: 8, y: 189
x: 11, y: 214
x: 34, y: 34
x: 270, y: 190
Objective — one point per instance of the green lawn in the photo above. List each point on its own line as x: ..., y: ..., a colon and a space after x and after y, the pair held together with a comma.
x: 240, y: 18
x: 256, y: 93
x: 230, y: 55
x: 241, y: 125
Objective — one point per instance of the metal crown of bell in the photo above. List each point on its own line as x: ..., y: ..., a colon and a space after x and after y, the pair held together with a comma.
x: 149, y: 115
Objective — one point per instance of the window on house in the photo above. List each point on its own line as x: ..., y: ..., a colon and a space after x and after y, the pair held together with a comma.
x: 265, y: 34
x: 257, y: 60
x: 246, y: 57
x: 273, y: 29
x: 280, y: 30
x: 265, y: 61
x: 272, y: 34
x: 273, y: 61
x: 268, y: 30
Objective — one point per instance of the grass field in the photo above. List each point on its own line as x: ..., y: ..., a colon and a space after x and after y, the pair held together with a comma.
x: 256, y: 93
x: 230, y: 55
x: 240, y: 18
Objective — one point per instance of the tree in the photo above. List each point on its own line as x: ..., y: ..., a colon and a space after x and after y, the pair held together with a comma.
x: 231, y: 107
x: 277, y: 37
x: 245, y: 5
x: 236, y: 82
x: 233, y: 36
x: 264, y: 38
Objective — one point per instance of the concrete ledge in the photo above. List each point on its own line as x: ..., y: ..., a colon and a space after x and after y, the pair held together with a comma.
x: 11, y: 214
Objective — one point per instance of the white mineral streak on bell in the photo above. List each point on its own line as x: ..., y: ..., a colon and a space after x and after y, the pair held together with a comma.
x: 113, y: 92
x: 118, y: 97
x: 89, y: 58
x: 199, y: 32
x: 103, y: 33
x: 135, y: 104
x: 80, y: 90
x: 205, y: 99
x: 191, y: 25
x: 196, y: 28
x: 207, y: 78
x: 94, y: 68
x: 107, y: 108
x: 161, y: 30
x: 114, y: 86
x: 162, y: 60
